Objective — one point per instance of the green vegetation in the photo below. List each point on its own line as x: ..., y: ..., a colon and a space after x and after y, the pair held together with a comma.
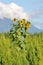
x: 18, y: 47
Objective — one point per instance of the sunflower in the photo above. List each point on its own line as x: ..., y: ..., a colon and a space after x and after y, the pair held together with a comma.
x: 19, y: 33
x: 27, y: 25
x: 14, y: 19
x: 22, y: 22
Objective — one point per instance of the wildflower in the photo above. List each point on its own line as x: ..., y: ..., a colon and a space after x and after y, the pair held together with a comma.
x: 14, y: 19
x: 19, y: 33
x: 27, y: 25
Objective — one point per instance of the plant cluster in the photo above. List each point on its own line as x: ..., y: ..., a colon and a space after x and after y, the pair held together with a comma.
x: 19, y: 28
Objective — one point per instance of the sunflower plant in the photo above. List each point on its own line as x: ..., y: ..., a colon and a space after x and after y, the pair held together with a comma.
x: 19, y: 29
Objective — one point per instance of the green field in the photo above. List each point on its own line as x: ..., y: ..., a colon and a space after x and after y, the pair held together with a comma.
x: 27, y: 52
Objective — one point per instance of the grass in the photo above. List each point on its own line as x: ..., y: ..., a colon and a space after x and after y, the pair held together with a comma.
x: 27, y: 52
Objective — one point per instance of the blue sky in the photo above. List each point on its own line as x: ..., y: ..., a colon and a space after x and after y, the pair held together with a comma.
x: 34, y: 8
x: 28, y: 5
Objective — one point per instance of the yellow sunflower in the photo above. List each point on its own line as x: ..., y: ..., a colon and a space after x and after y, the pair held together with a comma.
x: 19, y: 33
x: 27, y: 25
x: 14, y: 19
x: 22, y: 22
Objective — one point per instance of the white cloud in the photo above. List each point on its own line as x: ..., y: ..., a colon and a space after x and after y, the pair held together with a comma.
x: 12, y: 10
